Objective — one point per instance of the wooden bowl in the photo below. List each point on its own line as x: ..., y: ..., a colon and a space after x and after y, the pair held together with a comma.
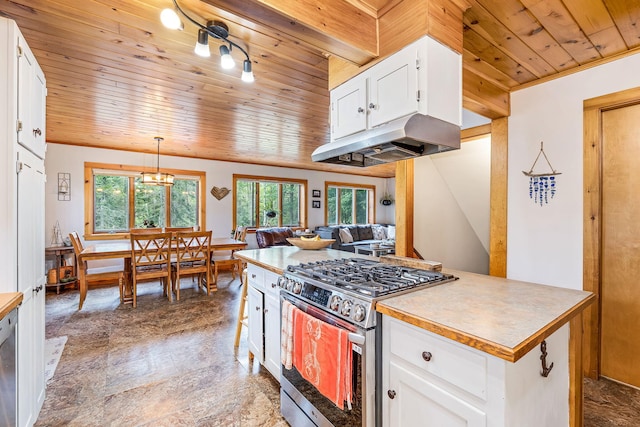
x: 310, y: 244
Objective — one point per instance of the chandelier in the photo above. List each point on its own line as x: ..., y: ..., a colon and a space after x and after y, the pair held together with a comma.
x: 217, y: 30
x: 157, y: 177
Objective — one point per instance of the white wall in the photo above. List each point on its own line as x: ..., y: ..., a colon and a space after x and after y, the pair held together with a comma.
x: 71, y: 159
x: 544, y: 244
x: 451, y: 206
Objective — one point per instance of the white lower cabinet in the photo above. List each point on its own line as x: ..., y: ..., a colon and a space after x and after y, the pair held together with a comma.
x: 415, y: 401
x: 272, y: 335
x: 256, y: 322
x: 264, y: 318
x: 429, y: 380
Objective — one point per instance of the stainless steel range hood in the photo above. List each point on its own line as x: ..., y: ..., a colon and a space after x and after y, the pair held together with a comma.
x: 405, y: 138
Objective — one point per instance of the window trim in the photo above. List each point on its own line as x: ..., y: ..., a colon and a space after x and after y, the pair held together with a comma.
x: 90, y: 167
x: 371, y: 213
x: 259, y: 178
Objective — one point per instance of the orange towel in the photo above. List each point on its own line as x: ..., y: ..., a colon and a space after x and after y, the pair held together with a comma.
x: 322, y: 355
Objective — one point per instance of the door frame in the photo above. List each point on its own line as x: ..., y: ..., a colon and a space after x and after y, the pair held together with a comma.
x: 592, y: 217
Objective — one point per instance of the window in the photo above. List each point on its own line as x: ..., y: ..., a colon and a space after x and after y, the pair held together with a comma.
x: 349, y: 203
x: 269, y: 202
x: 117, y: 201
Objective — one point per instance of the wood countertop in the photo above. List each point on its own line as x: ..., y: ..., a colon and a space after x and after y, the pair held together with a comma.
x: 276, y: 259
x: 502, y: 317
x: 9, y: 301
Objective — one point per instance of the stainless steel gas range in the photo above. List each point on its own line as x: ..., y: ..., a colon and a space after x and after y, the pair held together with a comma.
x: 343, y: 293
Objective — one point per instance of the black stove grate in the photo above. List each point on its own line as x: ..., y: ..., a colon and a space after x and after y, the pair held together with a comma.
x: 367, y: 277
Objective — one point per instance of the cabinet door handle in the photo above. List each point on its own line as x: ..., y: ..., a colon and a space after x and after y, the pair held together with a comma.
x: 37, y: 132
x: 426, y: 355
x: 257, y: 308
x: 372, y: 106
x: 391, y: 394
x: 360, y: 110
x: 253, y: 276
x: 273, y: 285
x: 266, y: 310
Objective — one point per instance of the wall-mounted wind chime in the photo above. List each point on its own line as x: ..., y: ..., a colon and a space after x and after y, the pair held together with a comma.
x: 542, y: 186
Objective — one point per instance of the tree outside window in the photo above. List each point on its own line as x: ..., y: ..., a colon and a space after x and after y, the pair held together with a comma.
x: 269, y: 202
x: 349, y: 203
x: 122, y: 202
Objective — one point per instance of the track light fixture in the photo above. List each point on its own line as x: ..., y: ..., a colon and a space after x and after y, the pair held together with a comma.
x: 217, y: 30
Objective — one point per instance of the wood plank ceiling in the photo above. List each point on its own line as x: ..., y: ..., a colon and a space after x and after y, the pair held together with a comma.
x: 117, y: 77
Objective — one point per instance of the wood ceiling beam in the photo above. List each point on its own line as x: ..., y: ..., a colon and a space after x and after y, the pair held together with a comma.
x: 337, y: 28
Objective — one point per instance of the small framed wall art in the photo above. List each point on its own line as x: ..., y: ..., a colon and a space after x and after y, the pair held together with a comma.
x: 315, y: 193
x: 316, y: 204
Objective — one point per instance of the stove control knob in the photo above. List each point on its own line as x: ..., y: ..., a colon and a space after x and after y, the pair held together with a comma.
x: 282, y: 281
x: 297, y: 287
x: 335, y: 303
x: 359, y: 313
x: 346, y: 308
x: 290, y: 284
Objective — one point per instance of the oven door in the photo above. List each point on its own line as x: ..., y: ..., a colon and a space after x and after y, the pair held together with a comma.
x: 303, y: 405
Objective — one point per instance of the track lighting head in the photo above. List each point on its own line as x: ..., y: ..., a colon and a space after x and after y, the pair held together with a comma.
x: 215, y: 29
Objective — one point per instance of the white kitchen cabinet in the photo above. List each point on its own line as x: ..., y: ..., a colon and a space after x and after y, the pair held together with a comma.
x: 264, y: 318
x: 429, y: 380
x: 22, y: 108
x: 31, y: 101
x: 272, y: 335
x: 424, y: 77
x: 348, y: 108
x: 255, y: 300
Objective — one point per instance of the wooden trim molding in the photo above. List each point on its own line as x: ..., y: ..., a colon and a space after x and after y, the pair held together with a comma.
x: 592, y: 213
x: 372, y: 197
x: 404, y: 207
x: 498, y: 198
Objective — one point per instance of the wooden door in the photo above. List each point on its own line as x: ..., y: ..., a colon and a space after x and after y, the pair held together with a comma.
x: 620, y: 293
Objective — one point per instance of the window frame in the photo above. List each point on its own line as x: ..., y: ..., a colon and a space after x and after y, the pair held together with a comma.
x: 132, y: 172
x: 371, y: 211
x: 270, y: 179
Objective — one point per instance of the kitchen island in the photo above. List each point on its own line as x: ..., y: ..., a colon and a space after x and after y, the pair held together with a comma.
x: 9, y: 301
x: 468, y: 352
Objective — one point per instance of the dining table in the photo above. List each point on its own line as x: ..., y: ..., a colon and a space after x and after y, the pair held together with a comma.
x: 122, y: 250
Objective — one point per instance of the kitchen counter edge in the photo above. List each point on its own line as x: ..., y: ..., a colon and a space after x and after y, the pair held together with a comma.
x: 505, y: 318
x: 9, y: 301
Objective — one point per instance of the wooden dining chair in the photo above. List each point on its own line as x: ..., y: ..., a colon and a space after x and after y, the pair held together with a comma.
x: 193, y: 258
x: 224, y: 260
x: 86, y: 275
x: 151, y: 260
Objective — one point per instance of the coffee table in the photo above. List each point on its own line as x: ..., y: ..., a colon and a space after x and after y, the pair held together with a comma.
x: 377, y: 252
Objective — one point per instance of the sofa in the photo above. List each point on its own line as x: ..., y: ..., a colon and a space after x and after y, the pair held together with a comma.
x: 275, y: 236
x: 347, y: 237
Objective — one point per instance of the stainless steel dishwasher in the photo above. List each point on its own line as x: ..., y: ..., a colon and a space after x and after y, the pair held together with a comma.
x: 8, y: 372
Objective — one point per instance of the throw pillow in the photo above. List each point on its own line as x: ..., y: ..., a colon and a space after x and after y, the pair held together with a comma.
x: 365, y: 232
x: 379, y: 232
x: 354, y: 233
x: 391, y: 232
x: 345, y: 236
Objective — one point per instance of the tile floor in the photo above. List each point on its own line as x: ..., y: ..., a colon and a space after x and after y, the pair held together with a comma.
x: 173, y: 364
x: 161, y: 364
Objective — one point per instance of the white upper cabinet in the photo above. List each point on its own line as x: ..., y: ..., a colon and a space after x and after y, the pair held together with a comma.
x: 31, y: 101
x: 424, y: 77
x: 348, y: 108
x: 393, y: 87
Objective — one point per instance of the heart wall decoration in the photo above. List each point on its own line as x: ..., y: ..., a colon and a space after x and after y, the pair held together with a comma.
x: 219, y: 193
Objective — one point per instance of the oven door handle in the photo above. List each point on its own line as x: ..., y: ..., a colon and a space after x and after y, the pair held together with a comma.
x: 356, y: 338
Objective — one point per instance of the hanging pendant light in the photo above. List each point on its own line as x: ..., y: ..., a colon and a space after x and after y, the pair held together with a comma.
x: 157, y: 177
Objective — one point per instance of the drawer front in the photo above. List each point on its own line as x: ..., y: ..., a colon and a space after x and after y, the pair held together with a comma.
x: 256, y: 276
x: 271, y: 283
x: 454, y: 363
